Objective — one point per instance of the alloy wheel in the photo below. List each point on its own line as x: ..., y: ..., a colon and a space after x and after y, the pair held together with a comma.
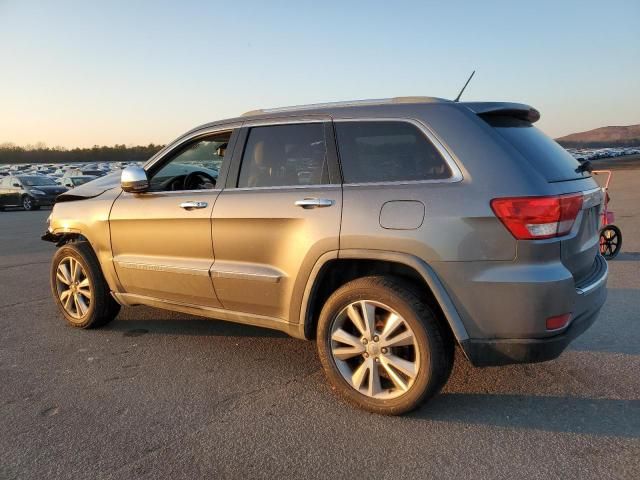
x: 374, y: 349
x: 73, y: 287
x: 27, y: 203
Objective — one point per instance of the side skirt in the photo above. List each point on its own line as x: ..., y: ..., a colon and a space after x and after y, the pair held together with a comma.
x: 130, y: 300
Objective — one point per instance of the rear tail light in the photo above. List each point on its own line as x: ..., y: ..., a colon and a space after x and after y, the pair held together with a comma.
x: 532, y: 218
x: 559, y: 321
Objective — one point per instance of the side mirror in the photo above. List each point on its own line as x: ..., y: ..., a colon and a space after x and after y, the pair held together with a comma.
x: 134, y: 180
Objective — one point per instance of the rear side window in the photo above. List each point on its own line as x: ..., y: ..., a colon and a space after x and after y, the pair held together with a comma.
x: 285, y: 155
x: 543, y: 153
x: 387, y: 151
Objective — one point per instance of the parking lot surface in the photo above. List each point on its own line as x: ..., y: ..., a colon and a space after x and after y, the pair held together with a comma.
x: 157, y: 394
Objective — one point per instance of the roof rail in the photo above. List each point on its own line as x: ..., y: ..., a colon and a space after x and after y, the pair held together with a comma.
x: 348, y: 103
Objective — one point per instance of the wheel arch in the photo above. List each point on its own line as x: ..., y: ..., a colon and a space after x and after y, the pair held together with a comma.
x: 332, y: 271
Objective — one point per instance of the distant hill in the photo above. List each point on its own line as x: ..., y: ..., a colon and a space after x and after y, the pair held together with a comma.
x: 628, y: 136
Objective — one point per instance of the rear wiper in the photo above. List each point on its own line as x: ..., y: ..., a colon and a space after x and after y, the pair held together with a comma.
x: 585, y: 166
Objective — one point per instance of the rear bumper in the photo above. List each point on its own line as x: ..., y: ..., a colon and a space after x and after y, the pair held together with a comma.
x: 589, y: 299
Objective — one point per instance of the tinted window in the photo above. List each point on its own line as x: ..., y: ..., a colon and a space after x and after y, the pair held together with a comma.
x: 387, y: 152
x: 284, y: 155
x: 547, y: 156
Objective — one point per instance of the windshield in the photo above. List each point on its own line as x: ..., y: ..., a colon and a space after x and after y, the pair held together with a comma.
x: 37, y: 181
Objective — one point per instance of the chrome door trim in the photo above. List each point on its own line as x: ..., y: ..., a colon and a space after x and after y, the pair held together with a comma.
x: 244, y: 271
x: 163, y: 268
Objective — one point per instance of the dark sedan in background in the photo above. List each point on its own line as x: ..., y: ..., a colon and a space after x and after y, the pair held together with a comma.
x: 28, y: 191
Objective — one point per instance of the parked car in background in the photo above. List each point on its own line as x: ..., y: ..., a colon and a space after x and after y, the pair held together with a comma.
x: 387, y: 230
x: 28, y: 191
x: 79, y: 172
x: 73, y: 182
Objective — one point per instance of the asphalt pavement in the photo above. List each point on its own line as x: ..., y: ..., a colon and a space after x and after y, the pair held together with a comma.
x: 157, y: 394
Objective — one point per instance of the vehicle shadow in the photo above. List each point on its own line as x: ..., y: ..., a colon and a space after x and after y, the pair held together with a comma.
x: 133, y: 325
x: 591, y: 416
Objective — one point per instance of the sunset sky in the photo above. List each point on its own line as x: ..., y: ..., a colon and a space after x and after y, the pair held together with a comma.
x: 88, y: 72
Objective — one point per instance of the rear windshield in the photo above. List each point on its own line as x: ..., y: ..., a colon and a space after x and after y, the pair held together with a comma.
x: 549, y: 158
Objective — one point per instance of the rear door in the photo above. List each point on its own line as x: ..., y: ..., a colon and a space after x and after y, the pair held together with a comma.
x: 279, y: 213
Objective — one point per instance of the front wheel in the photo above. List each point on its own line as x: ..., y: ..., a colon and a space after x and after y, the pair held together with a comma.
x: 79, y: 288
x: 382, y: 347
x: 610, y: 241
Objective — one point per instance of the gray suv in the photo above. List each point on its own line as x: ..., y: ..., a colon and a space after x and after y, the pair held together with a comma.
x: 389, y: 231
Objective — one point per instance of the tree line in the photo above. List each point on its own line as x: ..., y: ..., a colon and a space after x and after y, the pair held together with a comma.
x: 40, y: 153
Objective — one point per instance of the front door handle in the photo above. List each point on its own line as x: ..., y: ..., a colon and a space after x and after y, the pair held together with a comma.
x: 314, y: 203
x: 193, y: 205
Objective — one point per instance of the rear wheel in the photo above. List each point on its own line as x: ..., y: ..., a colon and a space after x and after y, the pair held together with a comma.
x: 28, y: 203
x: 79, y: 288
x: 382, y: 347
x: 610, y: 241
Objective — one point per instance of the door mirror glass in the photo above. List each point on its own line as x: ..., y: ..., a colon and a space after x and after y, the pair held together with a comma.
x: 134, y: 180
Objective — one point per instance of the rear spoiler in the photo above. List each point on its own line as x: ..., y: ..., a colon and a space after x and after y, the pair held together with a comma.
x: 504, y: 109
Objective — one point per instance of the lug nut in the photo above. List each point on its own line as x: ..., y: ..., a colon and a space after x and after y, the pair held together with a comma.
x: 377, y: 360
x: 364, y: 341
x: 365, y: 355
x: 375, y: 338
x: 383, y: 350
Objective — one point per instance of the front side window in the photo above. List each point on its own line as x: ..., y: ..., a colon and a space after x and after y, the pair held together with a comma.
x: 195, y: 167
x: 387, y: 151
x: 284, y: 155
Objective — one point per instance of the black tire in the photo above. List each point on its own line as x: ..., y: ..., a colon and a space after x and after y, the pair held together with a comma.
x: 610, y: 241
x: 102, y: 307
x: 434, y: 341
x: 28, y: 203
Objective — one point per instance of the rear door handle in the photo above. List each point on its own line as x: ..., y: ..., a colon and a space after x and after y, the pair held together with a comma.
x: 193, y: 205
x: 314, y: 203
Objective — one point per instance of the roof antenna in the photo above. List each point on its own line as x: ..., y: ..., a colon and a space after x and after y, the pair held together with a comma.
x: 465, y: 86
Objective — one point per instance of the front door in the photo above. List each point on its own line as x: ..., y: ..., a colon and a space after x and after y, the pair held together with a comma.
x: 279, y: 213
x: 161, y: 239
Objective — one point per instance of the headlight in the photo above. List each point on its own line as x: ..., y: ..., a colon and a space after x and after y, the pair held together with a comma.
x: 35, y: 191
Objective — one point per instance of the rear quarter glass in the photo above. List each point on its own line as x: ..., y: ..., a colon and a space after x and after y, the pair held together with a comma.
x: 542, y: 152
